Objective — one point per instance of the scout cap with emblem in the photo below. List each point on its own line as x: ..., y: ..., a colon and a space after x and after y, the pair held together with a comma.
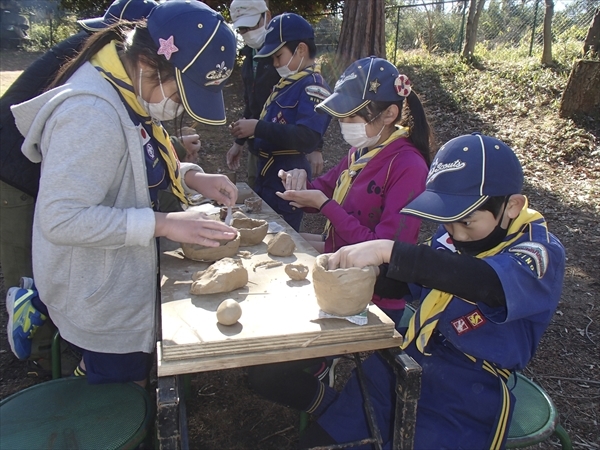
x: 131, y: 10
x: 197, y: 41
x: 282, y: 29
x: 467, y: 171
x: 246, y: 13
x: 366, y: 80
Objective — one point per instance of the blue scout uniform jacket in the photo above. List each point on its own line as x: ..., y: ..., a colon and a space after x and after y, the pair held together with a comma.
x: 465, y: 399
x: 294, y: 105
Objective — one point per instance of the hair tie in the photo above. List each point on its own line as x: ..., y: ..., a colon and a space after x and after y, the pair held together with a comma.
x: 402, y: 85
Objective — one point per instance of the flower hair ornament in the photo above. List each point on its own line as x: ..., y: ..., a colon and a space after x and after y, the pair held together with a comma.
x: 402, y: 85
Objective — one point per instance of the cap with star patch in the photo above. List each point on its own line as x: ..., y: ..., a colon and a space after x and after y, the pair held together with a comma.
x: 366, y: 80
x: 197, y: 41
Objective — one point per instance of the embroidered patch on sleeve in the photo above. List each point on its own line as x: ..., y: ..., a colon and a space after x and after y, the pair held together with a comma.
x: 316, y: 91
x: 476, y: 319
x: 534, y: 255
x: 461, y: 325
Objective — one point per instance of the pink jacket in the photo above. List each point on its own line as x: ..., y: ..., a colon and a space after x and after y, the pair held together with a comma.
x: 371, y: 209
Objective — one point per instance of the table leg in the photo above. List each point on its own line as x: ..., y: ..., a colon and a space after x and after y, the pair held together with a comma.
x: 171, y: 417
x: 408, y: 391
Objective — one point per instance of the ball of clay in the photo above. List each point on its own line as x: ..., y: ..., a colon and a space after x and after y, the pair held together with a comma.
x: 229, y: 312
x: 296, y: 272
x: 202, y: 253
x: 282, y: 244
x: 342, y: 292
x: 252, y: 231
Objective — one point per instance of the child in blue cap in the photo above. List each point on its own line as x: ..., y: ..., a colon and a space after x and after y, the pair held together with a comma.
x: 489, y: 282
x: 105, y: 155
x: 288, y: 127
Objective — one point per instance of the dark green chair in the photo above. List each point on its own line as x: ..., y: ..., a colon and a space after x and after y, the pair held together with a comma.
x: 69, y: 413
x: 535, y: 418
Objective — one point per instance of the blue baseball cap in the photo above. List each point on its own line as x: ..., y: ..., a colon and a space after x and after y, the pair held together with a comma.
x: 282, y: 29
x: 131, y: 10
x: 366, y: 80
x: 465, y: 172
x: 197, y: 41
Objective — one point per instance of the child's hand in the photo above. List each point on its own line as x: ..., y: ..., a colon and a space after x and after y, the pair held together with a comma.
x: 316, y: 162
x: 192, y: 144
x: 312, y: 198
x: 293, y: 179
x: 192, y: 227
x: 234, y: 155
x: 369, y: 253
x: 214, y: 186
x: 243, y: 128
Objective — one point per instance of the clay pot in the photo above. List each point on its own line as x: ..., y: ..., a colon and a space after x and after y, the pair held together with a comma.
x: 223, y: 212
x: 202, y: 253
x: 342, y: 292
x: 251, y: 231
x: 296, y: 272
x: 253, y: 204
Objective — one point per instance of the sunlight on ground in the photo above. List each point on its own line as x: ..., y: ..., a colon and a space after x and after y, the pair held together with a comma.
x: 7, y: 79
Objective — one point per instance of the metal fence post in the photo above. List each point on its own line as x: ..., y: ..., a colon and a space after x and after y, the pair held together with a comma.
x: 534, y: 25
x: 397, y: 26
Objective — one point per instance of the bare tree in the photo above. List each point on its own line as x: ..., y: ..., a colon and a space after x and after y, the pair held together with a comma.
x: 363, y: 31
x: 547, y: 51
x: 475, y: 8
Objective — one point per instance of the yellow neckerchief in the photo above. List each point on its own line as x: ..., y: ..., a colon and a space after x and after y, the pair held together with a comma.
x: 113, y: 71
x: 355, y: 166
x: 285, y: 82
x: 423, y: 322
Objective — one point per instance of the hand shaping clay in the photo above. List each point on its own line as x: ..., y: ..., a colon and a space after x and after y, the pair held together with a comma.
x: 296, y: 272
x: 342, y: 292
x: 252, y: 231
x: 225, y: 275
x: 282, y: 244
x: 201, y: 253
x: 229, y: 312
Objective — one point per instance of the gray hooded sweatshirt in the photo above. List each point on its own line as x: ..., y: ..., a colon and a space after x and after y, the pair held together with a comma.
x: 94, y: 251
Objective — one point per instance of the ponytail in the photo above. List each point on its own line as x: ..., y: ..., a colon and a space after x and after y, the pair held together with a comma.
x: 421, y: 134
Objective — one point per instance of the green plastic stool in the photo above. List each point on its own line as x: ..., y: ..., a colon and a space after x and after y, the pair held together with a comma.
x: 69, y: 413
x: 535, y: 418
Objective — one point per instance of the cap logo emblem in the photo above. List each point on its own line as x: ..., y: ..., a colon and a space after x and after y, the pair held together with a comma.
x: 438, y: 168
x: 402, y: 85
x: 343, y: 79
x: 270, y: 29
x: 374, y: 85
x: 217, y: 76
x: 167, y: 47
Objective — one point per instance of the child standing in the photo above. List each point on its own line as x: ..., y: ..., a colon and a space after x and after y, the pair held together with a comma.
x: 288, y: 127
x: 489, y: 283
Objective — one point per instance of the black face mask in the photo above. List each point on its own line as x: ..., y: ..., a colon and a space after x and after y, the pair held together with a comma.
x: 481, y: 245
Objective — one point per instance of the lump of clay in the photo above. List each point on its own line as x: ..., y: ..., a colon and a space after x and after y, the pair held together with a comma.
x: 239, y: 215
x: 223, y: 212
x: 282, y: 244
x: 342, y: 292
x: 251, y: 231
x: 225, y: 275
x: 296, y: 272
x: 202, y: 253
x: 253, y: 204
x: 229, y: 312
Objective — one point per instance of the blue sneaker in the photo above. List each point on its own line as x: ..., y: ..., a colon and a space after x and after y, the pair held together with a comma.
x: 23, y: 320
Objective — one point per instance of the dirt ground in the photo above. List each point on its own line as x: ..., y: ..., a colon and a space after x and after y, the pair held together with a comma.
x: 224, y: 414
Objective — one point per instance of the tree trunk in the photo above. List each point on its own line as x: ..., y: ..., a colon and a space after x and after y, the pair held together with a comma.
x: 475, y: 9
x: 591, y: 44
x: 363, y: 31
x: 548, y: 15
x: 581, y: 94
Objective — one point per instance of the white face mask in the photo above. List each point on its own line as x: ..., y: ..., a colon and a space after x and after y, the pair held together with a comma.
x: 285, y: 72
x: 255, y: 38
x: 355, y: 134
x: 166, y: 109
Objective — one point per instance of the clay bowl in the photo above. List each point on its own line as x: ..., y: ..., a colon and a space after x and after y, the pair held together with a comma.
x: 251, y: 231
x: 342, y: 292
x: 201, y: 253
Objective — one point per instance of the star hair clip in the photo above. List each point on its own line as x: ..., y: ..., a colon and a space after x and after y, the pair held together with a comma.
x: 402, y: 85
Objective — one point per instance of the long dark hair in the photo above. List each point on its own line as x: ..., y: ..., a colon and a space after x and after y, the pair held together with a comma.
x: 421, y: 134
x: 138, y: 47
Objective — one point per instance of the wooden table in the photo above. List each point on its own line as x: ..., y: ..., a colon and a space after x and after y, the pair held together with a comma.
x: 279, y: 321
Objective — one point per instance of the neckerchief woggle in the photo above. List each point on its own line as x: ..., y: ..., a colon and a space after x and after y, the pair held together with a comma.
x: 358, y: 160
x: 109, y: 65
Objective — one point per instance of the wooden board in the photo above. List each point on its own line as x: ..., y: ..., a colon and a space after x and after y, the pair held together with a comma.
x: 279, y: 316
